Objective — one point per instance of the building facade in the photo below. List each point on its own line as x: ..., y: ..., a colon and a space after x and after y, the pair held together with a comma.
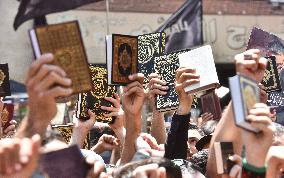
x: 226, y: 26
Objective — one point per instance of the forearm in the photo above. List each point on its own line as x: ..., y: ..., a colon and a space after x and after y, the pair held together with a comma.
x: 78, y: 137
x: 30, y: 127
x: 115, y: 156
x: 133, y: 130
x: 226, y: 131
x: 120, y: 133
x: 176, y: 145
x: 158, y: 129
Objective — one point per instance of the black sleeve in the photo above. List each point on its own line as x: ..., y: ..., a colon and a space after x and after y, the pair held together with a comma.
x: 176, y: 145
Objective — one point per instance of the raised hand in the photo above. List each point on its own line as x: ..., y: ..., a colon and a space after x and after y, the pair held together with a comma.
x: 259, y: 117
x: 81, y: 129
x: 18, y: 158
x: 45, y: 82
x: 11, y: 129
x: 133, y: 95
x: 204, y: 118
x: 185, y: 76
x: 115, y: 111
x: 156, y: 86
x: 251, y: 64
x: 105, y: 143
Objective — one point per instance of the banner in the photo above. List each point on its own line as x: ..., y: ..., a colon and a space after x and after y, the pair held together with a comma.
x: 30, y: 9
x: 184, y: 27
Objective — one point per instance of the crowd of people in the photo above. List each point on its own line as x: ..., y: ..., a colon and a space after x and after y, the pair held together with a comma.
x: 186, y: 150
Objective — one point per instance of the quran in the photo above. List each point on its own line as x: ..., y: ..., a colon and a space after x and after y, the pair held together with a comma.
x: 64, y: 41
x: 166, y: 66
x: 4, y: 80
x: 202, y: 60
x: 270, y: 45
x: 149, y: 46
x: 68, y: 162
x: 7, y: 115
x: 94, y: 99
x: 127, y: 55
x: 223, y: 150
x: 122, y: 53
x: 66, y: 131
x: 271, y: 80
x: 210, y: 103
x: 245, y: 93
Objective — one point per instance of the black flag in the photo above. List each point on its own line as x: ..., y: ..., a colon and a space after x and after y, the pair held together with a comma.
x: 30, y: 9
x: 184, y: 27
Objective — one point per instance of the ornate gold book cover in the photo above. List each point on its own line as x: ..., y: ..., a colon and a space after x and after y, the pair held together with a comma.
x: 124, y: 62
x: 64, y: 41
x: 271, y: 80
x: 66, y: 132
x: 95, y: 99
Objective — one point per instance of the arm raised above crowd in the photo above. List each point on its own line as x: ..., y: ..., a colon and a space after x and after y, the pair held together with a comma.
x: 157, y: 87
x: 81, y: 129
x: 116, y: 111
x: 176, y: 145
x: 19, y: 157
x: 132, y: 101
x: 226, y: 130
x: 45, y: 82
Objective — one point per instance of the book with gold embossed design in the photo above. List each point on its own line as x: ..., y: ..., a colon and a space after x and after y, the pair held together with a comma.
x: 64, y: 41
x: 94, y: 99
x: 4, y: 80
x: 122, y: 52
x: 127, y: 55
x: 271, y: 80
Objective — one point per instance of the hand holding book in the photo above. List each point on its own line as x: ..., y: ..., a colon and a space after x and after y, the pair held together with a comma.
x: 259, y: 116
x: 115, y: 110
x: 185, y: 76
x: 133, y: 95
x: 155, y: 87
x: 253, y: 68
x: 45, y: 83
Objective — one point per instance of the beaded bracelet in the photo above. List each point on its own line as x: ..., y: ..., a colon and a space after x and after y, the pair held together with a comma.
x: 250, y: 171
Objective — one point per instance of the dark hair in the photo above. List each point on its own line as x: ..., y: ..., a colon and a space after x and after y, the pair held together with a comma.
x: 172, y: 170
x: 199, y: 161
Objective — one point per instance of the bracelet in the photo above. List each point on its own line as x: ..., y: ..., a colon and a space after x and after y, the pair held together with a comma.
x: 258, y: 170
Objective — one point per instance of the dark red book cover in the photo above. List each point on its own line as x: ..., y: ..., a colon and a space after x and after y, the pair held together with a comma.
x: 211, y: 104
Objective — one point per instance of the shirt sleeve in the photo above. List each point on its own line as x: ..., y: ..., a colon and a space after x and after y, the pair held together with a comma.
x: 176, y: 144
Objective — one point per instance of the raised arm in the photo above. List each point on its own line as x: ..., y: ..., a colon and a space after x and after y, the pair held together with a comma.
x: 81, y: 129
x: 176, y: 145
x: 45, y: 82
x: 226, y: 129
x: 157, y: 87
x: 132, y: 101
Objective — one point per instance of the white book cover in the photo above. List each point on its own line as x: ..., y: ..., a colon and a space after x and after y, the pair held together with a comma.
x: 202, y: 60
x: 109, y: 57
